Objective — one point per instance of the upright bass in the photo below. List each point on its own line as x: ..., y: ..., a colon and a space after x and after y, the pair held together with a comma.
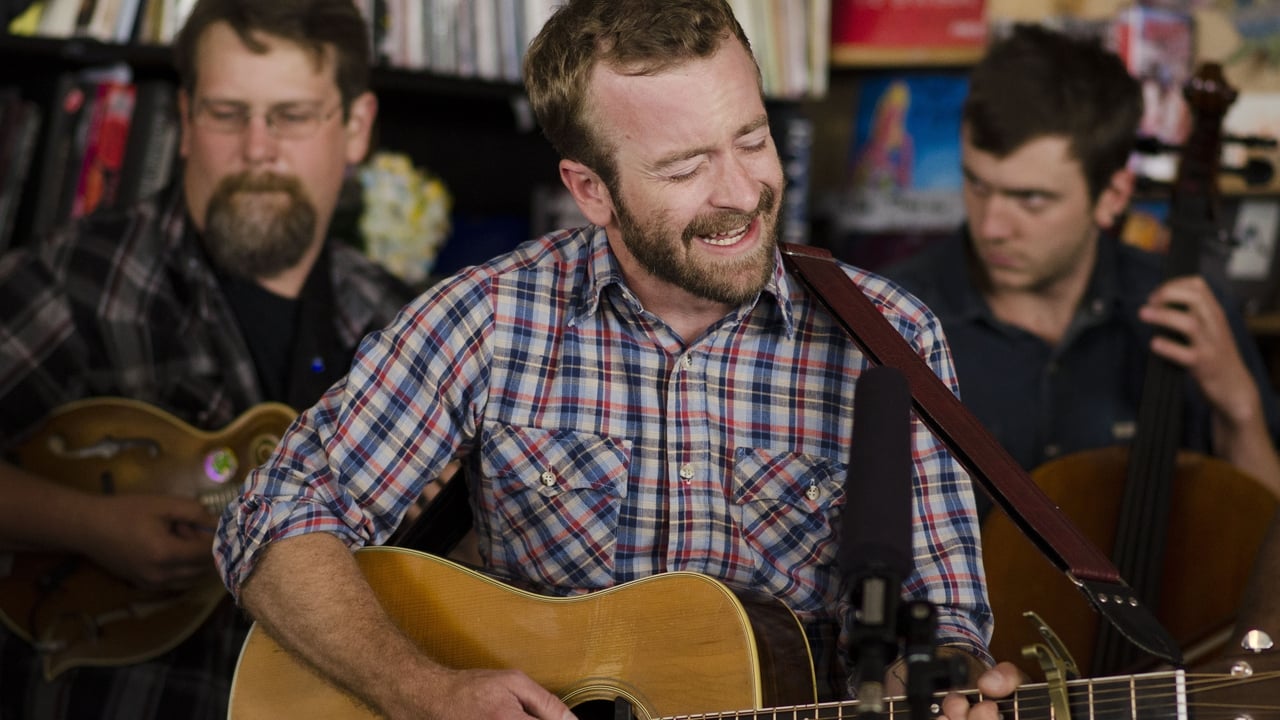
x: 1182, y: 528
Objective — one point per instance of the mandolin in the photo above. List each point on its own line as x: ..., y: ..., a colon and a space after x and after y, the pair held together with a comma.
x: 76, y: 613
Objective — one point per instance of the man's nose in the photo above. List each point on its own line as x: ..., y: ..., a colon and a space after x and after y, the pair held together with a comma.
x: 995, y: 217
x: 737, y: 187
x: 260, y: 142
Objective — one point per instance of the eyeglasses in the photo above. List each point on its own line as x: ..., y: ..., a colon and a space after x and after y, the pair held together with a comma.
x: 289, y: 121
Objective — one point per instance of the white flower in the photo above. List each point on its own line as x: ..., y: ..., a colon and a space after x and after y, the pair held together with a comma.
x: 405, y: 219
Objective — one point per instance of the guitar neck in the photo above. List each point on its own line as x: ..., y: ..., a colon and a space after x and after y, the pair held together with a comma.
x: 1154, y: 696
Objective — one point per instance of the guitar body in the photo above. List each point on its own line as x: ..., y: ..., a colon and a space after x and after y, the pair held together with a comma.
x: 676, y: 643
x: 1217, y: 519
x: 75, y: 612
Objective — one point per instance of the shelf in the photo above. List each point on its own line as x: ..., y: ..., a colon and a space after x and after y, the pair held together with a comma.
x: 1264, y: 325
x: 86, y: 51
x: 865, y: 56
x: 158, y: 59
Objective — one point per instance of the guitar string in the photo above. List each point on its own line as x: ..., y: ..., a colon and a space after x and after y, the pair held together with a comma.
x: 1109, y: 695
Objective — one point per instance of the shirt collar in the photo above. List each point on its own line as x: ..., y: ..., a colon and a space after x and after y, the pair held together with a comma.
x: 602, y: 271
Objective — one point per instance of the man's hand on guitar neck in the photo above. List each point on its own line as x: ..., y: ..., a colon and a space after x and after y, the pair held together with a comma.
x: 993, y: 683
x: 998, y: 682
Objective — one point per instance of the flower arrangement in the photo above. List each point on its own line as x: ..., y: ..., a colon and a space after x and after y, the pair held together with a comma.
x: 405, y: 216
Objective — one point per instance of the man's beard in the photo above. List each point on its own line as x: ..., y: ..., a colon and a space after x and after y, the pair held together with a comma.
x: 652, y: 245
x: 254, y: 236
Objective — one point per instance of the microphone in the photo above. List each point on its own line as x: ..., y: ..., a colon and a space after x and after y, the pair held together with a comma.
x: 875, y: 553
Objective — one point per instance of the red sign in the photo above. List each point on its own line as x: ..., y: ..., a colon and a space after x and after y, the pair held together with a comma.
x: 923, y: 24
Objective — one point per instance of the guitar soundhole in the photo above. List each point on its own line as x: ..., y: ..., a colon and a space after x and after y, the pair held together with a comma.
x: 603, y: 710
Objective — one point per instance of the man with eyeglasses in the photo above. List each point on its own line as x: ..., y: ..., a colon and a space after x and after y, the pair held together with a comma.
x: 221, y: 294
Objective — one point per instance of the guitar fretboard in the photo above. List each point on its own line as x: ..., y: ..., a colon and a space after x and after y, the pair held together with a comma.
x: 1173, y: 695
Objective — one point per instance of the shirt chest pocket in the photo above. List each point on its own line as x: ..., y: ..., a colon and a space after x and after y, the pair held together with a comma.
x: 554, y: 497
x: 787, y: 503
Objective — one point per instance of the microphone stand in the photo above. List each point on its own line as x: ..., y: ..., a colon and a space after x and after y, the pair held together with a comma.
x: 883, y: 624
x: 875, y: 638
x: 926, y: 672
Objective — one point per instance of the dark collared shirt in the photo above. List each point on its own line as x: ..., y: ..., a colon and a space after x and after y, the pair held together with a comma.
x: 128, y: 305
x: 1044, y: 401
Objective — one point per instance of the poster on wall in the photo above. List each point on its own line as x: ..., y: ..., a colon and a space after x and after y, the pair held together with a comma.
x: 901, y: 185
x: 903, y: 169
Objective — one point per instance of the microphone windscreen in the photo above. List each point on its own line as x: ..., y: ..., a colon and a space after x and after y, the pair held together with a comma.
x: 876, y: 522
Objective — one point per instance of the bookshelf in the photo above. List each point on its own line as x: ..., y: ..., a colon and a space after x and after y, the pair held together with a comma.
x: 471, y: 132
x: 468, y: 125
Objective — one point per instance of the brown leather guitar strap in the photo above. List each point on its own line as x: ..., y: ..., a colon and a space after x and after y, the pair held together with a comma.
x: 987, y: 461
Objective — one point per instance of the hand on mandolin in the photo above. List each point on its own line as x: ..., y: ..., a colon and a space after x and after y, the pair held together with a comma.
x: 158, y: 542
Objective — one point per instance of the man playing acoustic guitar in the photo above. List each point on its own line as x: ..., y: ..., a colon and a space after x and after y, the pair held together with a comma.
x: 224, y: 293
x: 649, y: 393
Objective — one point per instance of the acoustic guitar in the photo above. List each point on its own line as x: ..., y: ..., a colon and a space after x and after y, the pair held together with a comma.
x: 677, y: 644
x: 76, y: 613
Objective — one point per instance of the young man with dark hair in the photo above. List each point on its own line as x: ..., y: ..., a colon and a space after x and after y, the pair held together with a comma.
x: 1049, y: 315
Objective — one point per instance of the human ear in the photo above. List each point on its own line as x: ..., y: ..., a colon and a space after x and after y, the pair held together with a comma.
x: 1114, y: 198
x: 184, y: 123
x: 589, y: 192
x: 359, y: 126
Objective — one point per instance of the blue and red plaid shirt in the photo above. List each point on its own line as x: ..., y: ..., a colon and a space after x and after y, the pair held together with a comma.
x: 601, y: 447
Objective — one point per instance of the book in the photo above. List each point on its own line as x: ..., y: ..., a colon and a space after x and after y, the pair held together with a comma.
x: 56, y: 146
x: 63, y: 140
x: 104, y: 148
x: 152, y: 147
x: 17, y: 147
x: 793, y: 135
x: 874, y: 32
x: 59, y: 18
x: 510, y: 46
x: 486, y: 38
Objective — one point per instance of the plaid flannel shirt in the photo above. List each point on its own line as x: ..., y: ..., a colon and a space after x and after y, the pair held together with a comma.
x: 601, y: 447
x: 126, y: 304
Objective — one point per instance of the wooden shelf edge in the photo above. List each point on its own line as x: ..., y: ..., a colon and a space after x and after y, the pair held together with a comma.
x: 855, y: 56
x: 1264, y: 324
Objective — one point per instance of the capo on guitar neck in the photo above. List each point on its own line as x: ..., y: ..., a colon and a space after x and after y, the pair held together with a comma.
x: 1056, y: 662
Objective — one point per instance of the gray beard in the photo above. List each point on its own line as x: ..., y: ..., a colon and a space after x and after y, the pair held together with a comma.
x: 253, y: 237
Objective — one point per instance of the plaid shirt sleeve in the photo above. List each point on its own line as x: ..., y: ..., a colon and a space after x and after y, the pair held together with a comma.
x: 947, y: 541
x: 352, y: 464
x: 43, y: 357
